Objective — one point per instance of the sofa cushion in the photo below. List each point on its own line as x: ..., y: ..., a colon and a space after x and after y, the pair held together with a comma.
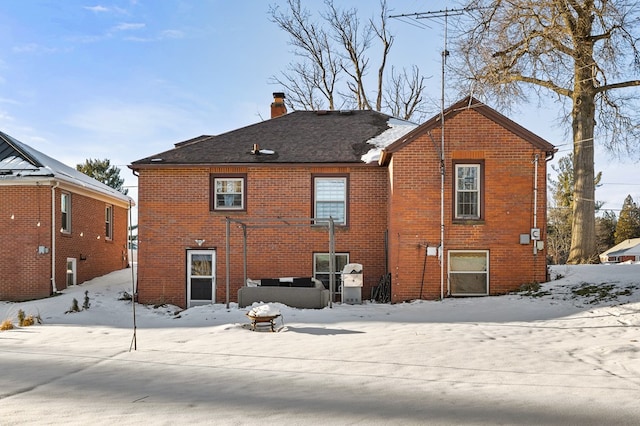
x: 303, y: 282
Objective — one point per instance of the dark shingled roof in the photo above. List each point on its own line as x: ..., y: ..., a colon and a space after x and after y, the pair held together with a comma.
x: 297, y: 137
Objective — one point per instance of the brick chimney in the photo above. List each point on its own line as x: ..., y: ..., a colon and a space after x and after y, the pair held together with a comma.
x: 277, y: 106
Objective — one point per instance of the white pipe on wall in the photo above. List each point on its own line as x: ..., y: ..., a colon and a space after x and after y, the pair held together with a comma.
x: 53, y: 237
x: 535, y: 200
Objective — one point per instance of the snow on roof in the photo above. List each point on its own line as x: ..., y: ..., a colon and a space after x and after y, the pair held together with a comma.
x: 49, y: 167
x: 630, y: 247
x: 624, y: 245
x: 397, y: 129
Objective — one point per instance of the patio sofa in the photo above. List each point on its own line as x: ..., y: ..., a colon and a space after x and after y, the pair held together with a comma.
x: 305, y: 293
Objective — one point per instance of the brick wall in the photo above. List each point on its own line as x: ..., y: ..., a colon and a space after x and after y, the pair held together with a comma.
x: 174, y: 212
x: 87, y: 242
x: 24, y: 272
x: 25, y: 223
x: 508, y: 207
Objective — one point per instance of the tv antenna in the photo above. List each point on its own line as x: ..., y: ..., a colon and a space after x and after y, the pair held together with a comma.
x: 439, y: 15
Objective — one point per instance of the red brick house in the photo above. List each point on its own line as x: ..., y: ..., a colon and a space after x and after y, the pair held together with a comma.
x: 494, y: 205
x: 59, y: 227
x: 386, y: 204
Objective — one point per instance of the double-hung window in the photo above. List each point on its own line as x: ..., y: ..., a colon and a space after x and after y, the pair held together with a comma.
x: 108, y: 222
x: 65, y: 213
x: 330, y: 199
x: 468, y: 191
x: 229, y: 192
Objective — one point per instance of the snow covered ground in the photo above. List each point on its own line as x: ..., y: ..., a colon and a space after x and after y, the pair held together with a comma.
x: 567, y: 353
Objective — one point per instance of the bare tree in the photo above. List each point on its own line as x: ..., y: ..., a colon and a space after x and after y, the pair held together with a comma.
x: 311, y: 82
x: 333, y: 71
x: 404, y: 94
x: 582, y: 52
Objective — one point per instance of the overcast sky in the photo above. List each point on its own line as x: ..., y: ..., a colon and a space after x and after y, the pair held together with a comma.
x: 125, y: 79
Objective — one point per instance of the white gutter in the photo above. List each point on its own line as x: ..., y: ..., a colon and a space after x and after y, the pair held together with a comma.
x: 53, y: 237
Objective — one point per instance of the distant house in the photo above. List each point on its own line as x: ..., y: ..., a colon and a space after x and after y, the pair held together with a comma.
x: 628, y: 250
x: 390, y: 191
x: 58, y: 226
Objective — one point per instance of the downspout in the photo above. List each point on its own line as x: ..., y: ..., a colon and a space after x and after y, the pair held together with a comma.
x: 53, y: 238
x: 535, y: 200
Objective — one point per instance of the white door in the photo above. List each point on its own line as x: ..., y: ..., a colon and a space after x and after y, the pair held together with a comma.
x: 72, y: 274
x: 201, y: 279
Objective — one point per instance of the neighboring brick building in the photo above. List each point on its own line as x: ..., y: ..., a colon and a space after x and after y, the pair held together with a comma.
x: 89, y: 236
x: 273, y: 177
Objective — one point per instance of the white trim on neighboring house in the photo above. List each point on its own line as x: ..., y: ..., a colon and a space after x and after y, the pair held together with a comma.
x: 70, y: 186
x: 627, y: 248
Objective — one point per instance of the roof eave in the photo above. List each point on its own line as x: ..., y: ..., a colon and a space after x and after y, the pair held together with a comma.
x: 493, y: 115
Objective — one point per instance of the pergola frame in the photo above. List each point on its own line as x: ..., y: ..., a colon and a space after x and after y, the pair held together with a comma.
x: 279, y: 222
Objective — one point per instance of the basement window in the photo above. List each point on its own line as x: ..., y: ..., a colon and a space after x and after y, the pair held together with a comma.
x: 321, y: 268
x: 469, y: 272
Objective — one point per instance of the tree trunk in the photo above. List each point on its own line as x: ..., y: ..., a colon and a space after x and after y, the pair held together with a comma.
x: 583, y: 228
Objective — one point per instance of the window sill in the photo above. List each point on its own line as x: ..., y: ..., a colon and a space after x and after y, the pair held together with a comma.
x: 326, y: 225
x: 468, y: 221
x: 228, y: 212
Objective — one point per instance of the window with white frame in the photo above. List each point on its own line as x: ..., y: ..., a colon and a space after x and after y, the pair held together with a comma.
x: 229, y: 193
x: 469, y: 272
x: 467, y: 191
x: 65, y: 212
x: 322, y: 268
x: 108, y: 222
x: 330, y: 199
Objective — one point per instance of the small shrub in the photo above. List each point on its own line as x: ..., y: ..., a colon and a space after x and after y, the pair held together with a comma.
x: 603, y: 292
x: 86, y: 303
x: 533, y: 289
x: 28, y: 321
x: 74, y: 307
x: 6, y: 325
x: 530, y: 287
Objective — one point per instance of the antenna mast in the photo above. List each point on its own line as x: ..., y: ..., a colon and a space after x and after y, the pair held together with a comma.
x: 440, y: 14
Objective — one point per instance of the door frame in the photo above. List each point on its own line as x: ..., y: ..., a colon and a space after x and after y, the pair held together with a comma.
x: 74, y: 271
x: 190, y: 253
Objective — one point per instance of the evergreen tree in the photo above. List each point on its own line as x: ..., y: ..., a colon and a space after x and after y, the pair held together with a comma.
x: 605, y: 231
x: 103, y: 171
x: 560, y: 214
x: 629, y: 221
